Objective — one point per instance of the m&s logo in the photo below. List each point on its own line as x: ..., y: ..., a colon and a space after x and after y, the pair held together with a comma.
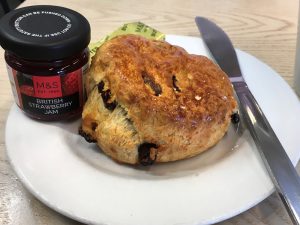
x: 47, y: 86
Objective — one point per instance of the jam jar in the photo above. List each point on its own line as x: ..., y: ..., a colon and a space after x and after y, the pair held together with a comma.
x: 46, y: 55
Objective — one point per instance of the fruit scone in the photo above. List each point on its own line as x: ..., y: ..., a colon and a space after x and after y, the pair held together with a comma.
x: 150, y: 101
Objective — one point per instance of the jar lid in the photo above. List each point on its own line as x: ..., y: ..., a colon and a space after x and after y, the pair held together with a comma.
x: 44, y: 32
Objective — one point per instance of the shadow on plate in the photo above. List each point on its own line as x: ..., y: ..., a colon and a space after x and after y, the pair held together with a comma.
x: 94, y: 157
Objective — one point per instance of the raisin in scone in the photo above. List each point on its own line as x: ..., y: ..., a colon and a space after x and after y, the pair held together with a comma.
x: 149, y: 101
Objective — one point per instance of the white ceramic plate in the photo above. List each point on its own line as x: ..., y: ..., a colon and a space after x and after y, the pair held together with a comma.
x: 74, y: 178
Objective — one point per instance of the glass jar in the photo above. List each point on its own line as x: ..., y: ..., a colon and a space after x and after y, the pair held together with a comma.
x: 47, y: 56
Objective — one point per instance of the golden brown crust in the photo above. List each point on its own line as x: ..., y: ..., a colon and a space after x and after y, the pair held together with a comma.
x: 181, y: 103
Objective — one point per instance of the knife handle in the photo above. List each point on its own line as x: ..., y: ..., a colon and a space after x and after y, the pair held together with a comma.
x: 278, y: 164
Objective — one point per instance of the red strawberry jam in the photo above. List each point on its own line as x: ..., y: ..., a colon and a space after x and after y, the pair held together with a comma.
x: 46, y: 54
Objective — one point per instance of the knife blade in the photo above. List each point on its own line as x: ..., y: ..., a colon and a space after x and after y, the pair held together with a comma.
x: 280, y: 168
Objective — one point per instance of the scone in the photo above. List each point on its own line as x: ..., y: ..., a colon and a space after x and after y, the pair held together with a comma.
x: 149, y: 101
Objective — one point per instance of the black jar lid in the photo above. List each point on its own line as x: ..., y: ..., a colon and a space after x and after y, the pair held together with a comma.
x: 44, y: 32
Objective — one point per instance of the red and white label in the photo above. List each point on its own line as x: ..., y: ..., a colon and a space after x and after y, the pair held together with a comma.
x: 48, y: 95
x: 47, y: 86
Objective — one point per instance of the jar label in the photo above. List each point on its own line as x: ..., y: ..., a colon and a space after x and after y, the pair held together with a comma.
x: 48, y: 95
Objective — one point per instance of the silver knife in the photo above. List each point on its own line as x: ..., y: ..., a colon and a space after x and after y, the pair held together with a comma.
x: 277, y: 162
